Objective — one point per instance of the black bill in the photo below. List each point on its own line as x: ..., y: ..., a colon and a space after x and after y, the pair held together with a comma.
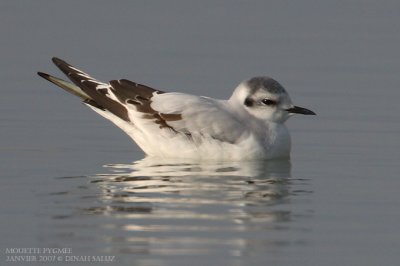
x: 300, y: 110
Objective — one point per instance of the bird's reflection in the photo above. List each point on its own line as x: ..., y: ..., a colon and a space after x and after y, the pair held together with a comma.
x: 150, y: 182
x: 158, y: 206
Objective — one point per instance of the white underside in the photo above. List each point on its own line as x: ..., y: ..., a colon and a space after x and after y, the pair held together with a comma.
x: 165, y: 143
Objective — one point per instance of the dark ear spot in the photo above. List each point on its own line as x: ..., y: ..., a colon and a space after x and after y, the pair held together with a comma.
x: 248, y: 102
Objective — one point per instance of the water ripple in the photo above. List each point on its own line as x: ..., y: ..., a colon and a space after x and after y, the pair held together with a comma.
x: 166, y: 207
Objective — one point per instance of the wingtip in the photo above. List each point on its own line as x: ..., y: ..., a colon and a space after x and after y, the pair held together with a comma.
x: 55, y: 58
x: 57, y: 61
x: 43, y: 75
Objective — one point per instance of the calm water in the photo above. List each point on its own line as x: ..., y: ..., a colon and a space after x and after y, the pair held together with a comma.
x: 151, y: 211
x: 70, y: 179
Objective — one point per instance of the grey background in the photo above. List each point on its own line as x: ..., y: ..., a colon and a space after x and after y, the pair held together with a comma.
x: 338, y: 58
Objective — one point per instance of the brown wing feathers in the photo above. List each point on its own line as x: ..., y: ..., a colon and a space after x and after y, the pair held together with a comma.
x: 89, y: 86
x: 140, y: 96
x: 127, y: 92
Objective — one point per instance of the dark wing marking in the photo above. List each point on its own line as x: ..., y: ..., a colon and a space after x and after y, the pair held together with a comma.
x: 94, y: 104
x: 71, y: 88
x: 125, y: 91
x: 91, y: 87
x: 140, y: 96
x: 71, y: 72
x: 65, y: 85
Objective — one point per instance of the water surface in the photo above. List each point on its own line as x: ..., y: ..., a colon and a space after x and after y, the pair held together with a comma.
x: 153, y: 212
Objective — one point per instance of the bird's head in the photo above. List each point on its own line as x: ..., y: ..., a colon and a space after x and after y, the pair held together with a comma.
x: 266, y: 99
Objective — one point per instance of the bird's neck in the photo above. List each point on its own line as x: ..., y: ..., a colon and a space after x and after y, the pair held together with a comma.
x: 277, y: 139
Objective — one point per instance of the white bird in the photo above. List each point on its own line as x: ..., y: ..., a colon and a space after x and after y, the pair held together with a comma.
x: 249, y: 125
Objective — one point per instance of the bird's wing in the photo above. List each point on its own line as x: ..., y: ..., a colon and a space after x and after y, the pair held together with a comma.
x: 144, y: 106
x: 199, y: 115
x: 113, y: 96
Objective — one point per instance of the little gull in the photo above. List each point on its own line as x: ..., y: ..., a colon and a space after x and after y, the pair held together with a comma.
x: 249, y: 125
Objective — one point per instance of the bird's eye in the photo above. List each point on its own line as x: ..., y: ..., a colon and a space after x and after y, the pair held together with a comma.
x: 268, y: 102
